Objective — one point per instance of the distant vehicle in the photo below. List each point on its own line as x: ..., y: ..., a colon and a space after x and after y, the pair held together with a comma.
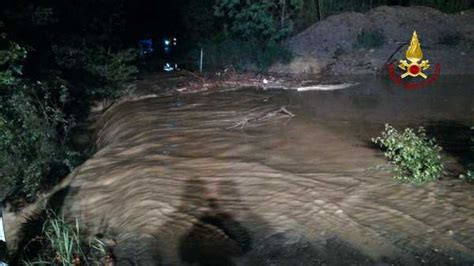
x: 145, y: 47
x: 169, y: 44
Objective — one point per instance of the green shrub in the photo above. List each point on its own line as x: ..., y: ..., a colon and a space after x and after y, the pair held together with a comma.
x: 70, y: 68
x: 64, y: 244
x: 9, y: 60
x: 106, y: 71
x: 415, y: 156
x: 33, y: 129
x: 112, y: 70
x: 33, y: 133
x: 252, y: 33
x: 370, y: 39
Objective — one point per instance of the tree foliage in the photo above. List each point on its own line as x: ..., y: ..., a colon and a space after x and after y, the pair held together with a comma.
x: 9, y: 59
x: 198, y: 19
x: 54, y: 58
x: 33, y: 127
x: 269, y: 20
x: 105, y: 70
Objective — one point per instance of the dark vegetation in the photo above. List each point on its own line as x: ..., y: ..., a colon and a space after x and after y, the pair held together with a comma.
x: 56, y: 59
x: 469, y: 175
x: 330, y: 7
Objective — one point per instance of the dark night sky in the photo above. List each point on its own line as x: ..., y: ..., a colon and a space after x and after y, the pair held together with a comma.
x: 155, y: 17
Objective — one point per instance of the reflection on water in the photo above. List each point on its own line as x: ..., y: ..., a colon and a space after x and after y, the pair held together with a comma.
x: 379, y: 100
x: 173, y: 180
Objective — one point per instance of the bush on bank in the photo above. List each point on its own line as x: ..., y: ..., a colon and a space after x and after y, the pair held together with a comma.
x: 37, y: 112
x: 33, y: 127
x: 415, y: 156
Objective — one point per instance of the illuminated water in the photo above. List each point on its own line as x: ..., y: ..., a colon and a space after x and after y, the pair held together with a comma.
x: 173, y: 182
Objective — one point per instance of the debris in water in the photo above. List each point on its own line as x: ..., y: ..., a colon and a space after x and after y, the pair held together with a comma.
x: 328, y: 87
x: 256, y: 118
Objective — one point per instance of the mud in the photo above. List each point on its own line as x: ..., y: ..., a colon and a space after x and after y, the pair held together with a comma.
x: 174, y: 182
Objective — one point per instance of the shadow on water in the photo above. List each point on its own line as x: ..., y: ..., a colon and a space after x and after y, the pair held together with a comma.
x: 455, y: 138
x: 199, y: 232
x: 216, y: 237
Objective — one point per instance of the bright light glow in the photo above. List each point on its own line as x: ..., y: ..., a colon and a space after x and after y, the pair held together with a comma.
x: 167, y: 42
x: 168, y: 67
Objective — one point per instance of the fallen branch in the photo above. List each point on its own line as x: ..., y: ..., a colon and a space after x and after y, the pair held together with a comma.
x: 257, y: 118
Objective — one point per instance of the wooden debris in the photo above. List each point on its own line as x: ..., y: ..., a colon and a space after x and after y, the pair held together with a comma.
x: 258, y: 117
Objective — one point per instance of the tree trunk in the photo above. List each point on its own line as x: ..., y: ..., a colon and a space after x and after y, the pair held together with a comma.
x: 320, y: 12
x: 310, y: 10
x: 283, y: 13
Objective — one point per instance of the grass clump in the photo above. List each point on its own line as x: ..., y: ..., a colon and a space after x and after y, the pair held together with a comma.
x: 370, y: 39
x: 415, y: 156
x: 61, y: 243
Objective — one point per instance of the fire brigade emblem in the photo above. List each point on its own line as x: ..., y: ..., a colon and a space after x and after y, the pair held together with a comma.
x: 414, y: 65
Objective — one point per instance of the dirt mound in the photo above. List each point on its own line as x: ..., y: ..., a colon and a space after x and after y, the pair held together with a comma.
x: 333, y: 46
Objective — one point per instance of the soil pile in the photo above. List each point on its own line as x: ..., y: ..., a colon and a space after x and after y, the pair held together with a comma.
x: 333, y: 46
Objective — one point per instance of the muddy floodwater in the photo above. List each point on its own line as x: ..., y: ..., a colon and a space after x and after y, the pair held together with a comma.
x: 223, y: 178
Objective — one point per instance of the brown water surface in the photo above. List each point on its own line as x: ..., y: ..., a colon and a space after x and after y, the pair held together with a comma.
x: 173, y: 181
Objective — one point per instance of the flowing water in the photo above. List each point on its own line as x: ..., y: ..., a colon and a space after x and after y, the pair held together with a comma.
x: 187, y: 179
